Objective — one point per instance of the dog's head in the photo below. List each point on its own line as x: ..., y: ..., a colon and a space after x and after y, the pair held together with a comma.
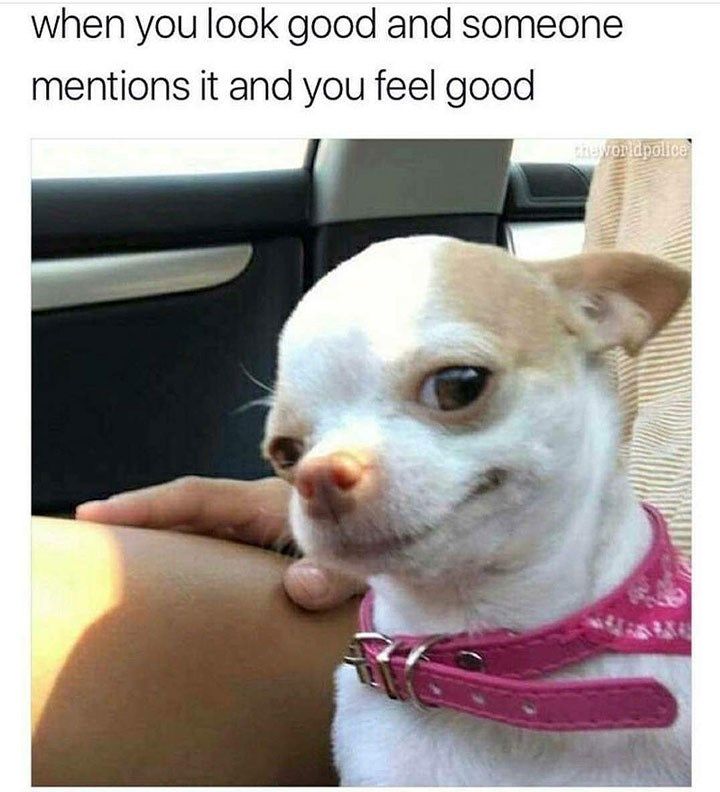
x: 428, y: 390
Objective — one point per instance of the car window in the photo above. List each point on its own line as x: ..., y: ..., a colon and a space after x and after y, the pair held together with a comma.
x: 103, y: 158
x: 580, y: 151
x: 548, y: 238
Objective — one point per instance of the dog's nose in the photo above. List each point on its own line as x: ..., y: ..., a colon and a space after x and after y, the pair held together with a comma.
x: 329, y: 484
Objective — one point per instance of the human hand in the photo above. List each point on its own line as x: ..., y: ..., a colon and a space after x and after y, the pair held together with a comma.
x: 252, y: 512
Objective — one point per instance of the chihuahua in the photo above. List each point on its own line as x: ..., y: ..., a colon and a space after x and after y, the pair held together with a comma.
x: 444, y: 415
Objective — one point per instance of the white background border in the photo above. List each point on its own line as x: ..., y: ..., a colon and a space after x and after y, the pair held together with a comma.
x: 661, y: 80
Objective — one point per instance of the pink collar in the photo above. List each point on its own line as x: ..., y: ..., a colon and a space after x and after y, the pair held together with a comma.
x: 489, y: 675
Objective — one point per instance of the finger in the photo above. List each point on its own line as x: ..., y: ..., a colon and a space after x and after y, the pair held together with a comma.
x: 249, y: 511
x: 315, y: 587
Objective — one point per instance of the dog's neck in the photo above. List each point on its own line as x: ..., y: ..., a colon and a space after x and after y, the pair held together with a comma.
x: 597, y: 533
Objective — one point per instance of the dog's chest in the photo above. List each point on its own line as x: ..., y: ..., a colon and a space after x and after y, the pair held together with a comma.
x: 379, y: 742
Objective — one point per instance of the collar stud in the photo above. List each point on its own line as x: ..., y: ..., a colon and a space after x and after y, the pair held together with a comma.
x: 470, y: 661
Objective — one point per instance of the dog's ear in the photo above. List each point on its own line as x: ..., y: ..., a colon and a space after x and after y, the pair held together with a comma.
x: 619, y: 299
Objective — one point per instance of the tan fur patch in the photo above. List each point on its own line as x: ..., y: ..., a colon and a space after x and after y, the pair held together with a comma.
x: 486, y: 286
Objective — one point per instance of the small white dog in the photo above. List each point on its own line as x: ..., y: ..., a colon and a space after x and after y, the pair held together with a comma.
x: 443, y: 413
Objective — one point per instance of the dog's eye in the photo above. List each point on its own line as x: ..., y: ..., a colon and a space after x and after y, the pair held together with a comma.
x: 454, y: 387
x: 285, y: 452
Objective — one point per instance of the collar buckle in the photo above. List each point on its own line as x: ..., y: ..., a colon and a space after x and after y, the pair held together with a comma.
x: 356, y: 656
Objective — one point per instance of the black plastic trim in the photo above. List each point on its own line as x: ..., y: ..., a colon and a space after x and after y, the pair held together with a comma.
x: 311, y: 153
x: 73, y: 217
x: 547, y: 191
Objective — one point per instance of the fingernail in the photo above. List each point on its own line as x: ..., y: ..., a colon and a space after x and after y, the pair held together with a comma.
x: 92, y: 511
x: 313, y: 581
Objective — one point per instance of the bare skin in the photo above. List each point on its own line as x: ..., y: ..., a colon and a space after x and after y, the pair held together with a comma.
x: 154, y: 657
x: 251, y: 512
x: 166, y: 658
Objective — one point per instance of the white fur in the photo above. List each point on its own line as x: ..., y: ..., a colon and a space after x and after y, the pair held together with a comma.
x: 561, y: 531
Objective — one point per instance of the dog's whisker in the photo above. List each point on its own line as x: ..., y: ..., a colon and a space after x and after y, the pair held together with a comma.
x: 255, y: 380
x: 265, y: 401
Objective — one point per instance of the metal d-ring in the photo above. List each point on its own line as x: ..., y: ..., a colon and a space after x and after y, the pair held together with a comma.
x: 417, y: 654
x: 383, y: 661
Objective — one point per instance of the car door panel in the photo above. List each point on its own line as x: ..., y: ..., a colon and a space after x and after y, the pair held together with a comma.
x: 138, y: 381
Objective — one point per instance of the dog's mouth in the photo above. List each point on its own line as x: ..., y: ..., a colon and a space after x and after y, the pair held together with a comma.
x: 347, y: 539
x: 376, y: 548
x: 488, y: 481
x: 353, y: 544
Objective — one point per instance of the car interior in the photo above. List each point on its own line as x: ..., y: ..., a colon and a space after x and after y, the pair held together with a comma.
x: 157, y: 299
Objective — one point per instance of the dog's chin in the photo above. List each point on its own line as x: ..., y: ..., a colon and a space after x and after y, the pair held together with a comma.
x: 359, y: 549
